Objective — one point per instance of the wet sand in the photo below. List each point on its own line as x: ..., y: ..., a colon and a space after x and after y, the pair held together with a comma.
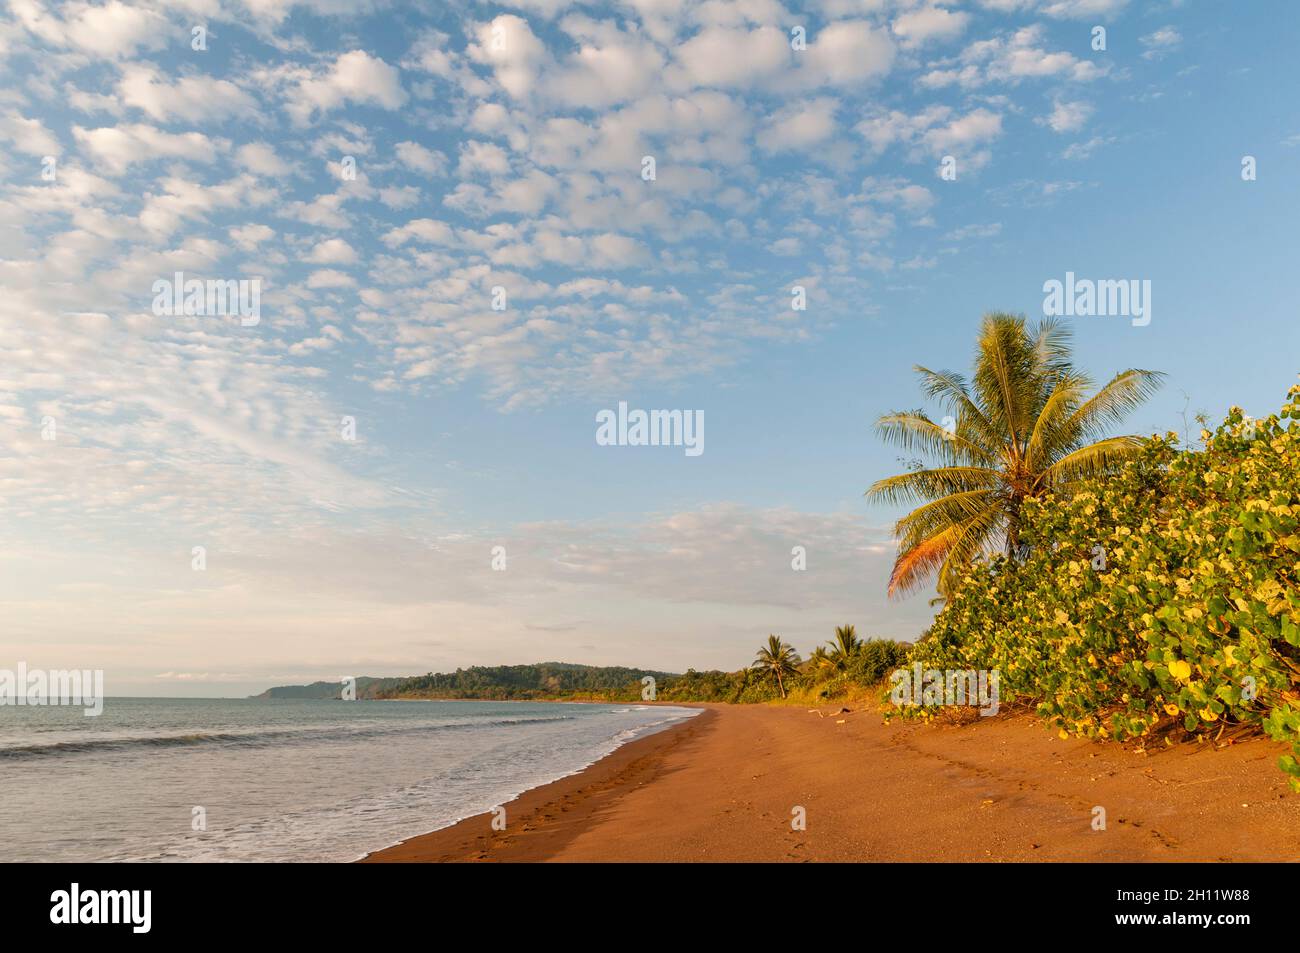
x: 725, y: 786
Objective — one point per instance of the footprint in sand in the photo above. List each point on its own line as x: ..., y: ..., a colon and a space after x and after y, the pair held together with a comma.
x: 1165, y: 840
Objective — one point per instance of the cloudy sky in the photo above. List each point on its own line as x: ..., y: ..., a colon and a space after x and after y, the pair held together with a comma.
x: 381, y: 167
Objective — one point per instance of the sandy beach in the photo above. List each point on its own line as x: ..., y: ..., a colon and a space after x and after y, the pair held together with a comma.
x: 723, y: 786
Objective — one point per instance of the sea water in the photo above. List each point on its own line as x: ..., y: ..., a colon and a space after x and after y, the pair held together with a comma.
x: 161, y: 779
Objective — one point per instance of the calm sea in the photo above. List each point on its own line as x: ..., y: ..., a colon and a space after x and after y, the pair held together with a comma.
x: 280, y: 780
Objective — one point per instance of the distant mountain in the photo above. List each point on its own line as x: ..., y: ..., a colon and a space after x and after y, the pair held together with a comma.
x: 367, y: 687
x: 541, y: 681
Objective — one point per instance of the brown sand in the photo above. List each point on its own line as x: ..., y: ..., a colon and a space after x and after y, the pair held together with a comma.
x: 722, y: 786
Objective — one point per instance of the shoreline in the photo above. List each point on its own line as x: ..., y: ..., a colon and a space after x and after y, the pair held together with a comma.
x: 732, y: 783
x: 532, y: 812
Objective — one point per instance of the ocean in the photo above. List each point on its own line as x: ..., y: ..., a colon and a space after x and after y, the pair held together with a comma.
x: 164, y: 779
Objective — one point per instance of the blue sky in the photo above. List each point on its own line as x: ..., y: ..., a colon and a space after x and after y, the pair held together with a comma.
x: 501, y: 145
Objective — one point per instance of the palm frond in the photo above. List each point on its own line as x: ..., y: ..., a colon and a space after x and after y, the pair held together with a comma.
x: 924, y: 521
x: 1122, y: 394
x: 1052, y: 432
x: 915, y: 564
x: 980, y: 534
x: 1090, y: 461
x: 929, y: 484
x: 914, y: 431
x: 952, y: 391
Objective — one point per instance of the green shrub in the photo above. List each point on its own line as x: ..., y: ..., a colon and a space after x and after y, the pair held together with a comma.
x: 1166, y: 593
x: 876, y: 659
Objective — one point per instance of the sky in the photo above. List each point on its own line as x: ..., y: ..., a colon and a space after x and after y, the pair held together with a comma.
x: 463, y: 257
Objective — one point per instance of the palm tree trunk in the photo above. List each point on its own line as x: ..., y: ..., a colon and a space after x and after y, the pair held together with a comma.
x: 779, y: 683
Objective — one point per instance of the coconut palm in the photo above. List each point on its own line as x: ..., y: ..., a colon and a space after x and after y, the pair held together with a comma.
x: 820, y: 659
x: 777, y: 658
x: 844, y: 646
x: 1023, y: 426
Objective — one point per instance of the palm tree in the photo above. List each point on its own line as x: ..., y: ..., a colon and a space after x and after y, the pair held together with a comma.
x: 1023, y: 426
x: 845, y: 646
x: 777, y: 658
x: 820, y: 658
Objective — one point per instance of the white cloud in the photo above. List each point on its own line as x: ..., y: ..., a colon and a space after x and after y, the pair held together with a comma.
x: 527, y: 195
x: 989, y: 230
x: 261, y: 158
x: 846, y: 53
x: 1160, y: 42
x: 917, y: 27
x: 273, y: 12
x: 482, y: 158
x: 608, y: 67
x: 508, y: 45
x: 355, y: 77
x: 611, y: 250
x: 1077, y: 9
x: 1060, y: 9
x: 111, y: 30
x: 975, y: 127
x: 192, y: 97
x: 403, y: 197
x: 907, y: 195
x: 421, y: 229
x: 723, y: 57
x: 248, y: 237
x: 332, y: 251
x: 1078, y: 151
x: 798, y: 126
x: 330, y: 278
x: 1012, y: 59
x: 543, y: 8
x: 936, y: 131
x: 324, y: 211
x: 119, y: 147
x: 419, y: 159
x: 28, y: 136
x: 1068, y: 116
x: 180, y: 200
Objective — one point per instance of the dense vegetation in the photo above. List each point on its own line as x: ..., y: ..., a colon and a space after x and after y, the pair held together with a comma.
x: 853, y: 664
x: 1162, y: 596
x: 823, y: 676
x: 546, y: 680
x: 367, y: 687
x: 865, y: 664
